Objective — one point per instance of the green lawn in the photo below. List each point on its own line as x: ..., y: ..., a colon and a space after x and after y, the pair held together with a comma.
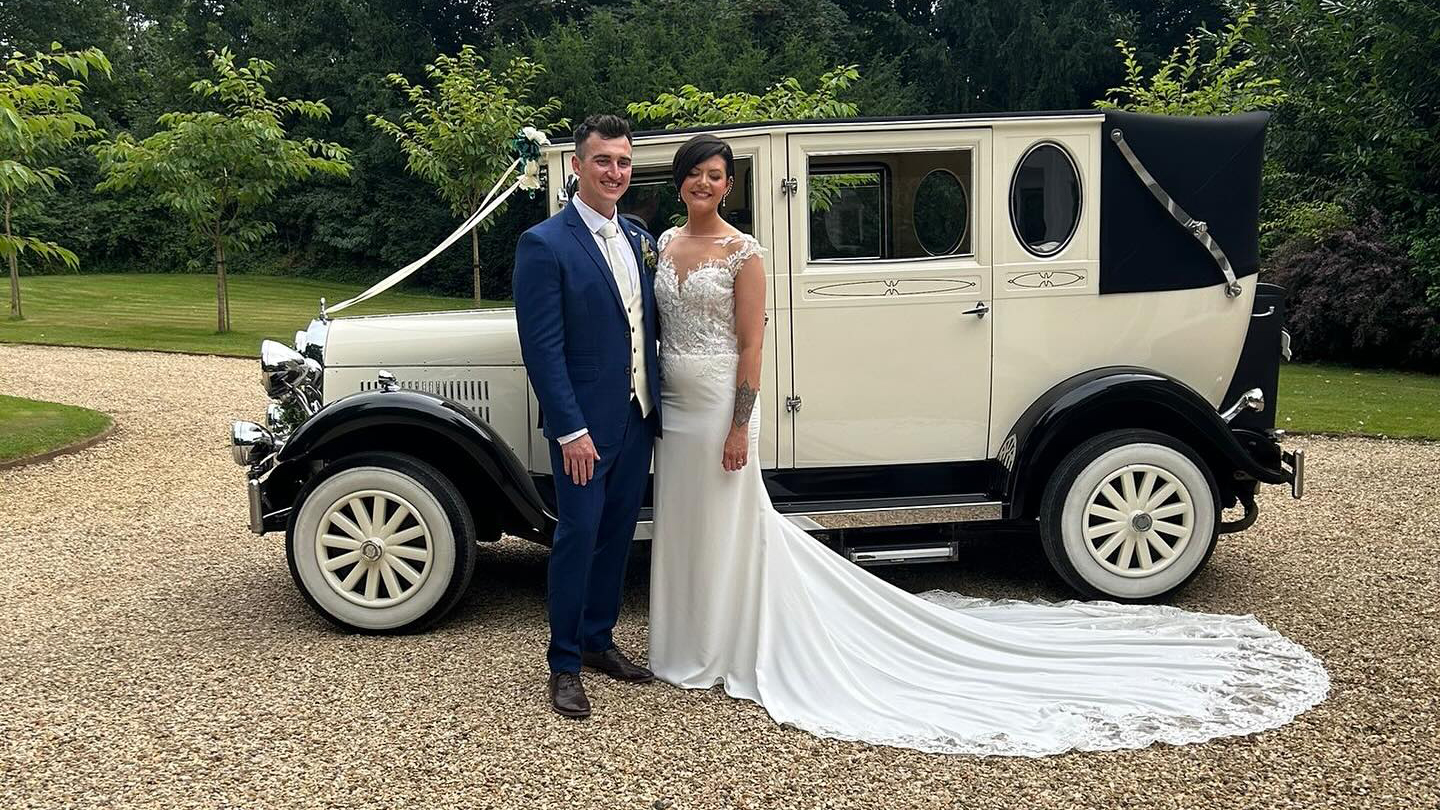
x: 1336, y: 399
x: 28, y: 426
x: 173, y: 312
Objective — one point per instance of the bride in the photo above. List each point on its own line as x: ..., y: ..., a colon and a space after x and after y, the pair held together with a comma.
x: 741, y: 597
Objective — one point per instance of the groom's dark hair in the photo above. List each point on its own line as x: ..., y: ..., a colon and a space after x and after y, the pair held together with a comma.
x: 607, y: 126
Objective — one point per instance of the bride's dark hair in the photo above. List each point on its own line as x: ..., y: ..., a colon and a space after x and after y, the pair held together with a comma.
x: 697, y: 150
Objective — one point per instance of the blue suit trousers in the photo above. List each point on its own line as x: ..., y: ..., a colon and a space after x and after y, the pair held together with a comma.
x: 592, y: 542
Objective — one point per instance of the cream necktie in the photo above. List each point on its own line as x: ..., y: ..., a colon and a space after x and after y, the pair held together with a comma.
x: 611, y: 234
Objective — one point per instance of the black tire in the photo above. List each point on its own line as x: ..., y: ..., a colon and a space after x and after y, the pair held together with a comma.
x: 1077, y: 487
x: 433, y: 504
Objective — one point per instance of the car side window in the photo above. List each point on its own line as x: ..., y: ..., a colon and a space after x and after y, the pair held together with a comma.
x: 894, y: 205
x: 1045, y: 199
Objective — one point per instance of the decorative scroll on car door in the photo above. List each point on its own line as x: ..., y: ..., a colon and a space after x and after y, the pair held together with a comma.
x: 890, y: 295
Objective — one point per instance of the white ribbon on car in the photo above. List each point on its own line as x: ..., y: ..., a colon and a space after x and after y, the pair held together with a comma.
x: 528, y: 179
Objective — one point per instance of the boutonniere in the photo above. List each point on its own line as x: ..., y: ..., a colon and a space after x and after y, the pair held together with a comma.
x: 647, y: 252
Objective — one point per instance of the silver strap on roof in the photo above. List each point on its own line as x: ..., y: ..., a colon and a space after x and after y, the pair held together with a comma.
x: 1197, y: 228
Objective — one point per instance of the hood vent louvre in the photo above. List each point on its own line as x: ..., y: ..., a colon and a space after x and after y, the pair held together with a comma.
x: 473, y: 394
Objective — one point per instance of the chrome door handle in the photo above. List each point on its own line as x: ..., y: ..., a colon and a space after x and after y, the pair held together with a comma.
x: 980, y: 308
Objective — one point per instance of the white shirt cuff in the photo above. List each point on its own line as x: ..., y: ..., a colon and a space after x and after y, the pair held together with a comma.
x: 570, y: 437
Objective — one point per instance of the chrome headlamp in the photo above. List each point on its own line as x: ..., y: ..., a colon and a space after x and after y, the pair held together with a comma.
x: 310, y: 341
x: 284, y: 370
x: 249, y: 443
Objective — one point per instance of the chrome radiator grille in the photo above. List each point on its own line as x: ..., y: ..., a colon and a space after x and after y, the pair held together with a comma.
x: 473, y: 394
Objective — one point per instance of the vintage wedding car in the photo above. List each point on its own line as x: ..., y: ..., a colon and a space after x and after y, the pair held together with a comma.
x: 1044, y: 319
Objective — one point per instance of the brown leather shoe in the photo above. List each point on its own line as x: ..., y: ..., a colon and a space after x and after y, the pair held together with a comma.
x: 567, y: 695
x: 612, y: 662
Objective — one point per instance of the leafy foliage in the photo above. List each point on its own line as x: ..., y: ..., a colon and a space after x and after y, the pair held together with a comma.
x: 40, y: 115
x: 1361, y: 123
x: 784, y: 101
x: 1353, y: 298
x: 219, y: 170
x: 611, y: 56
x: 1227, y: 81
x: 967, y: 56
x: 457, y: 137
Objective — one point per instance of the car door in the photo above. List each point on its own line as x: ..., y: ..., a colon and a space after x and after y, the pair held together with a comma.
x: 889, y: 295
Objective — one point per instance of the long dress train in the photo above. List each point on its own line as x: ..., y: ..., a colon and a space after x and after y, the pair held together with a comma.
x: 741, y: 597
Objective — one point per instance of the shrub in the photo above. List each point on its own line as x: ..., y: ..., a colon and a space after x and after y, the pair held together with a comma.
x: 1355, y: 298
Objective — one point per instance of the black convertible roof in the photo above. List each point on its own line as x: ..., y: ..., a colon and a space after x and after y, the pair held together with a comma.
x: 1210, y: 165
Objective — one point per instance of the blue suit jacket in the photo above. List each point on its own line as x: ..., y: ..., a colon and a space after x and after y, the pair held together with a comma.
x: 574, y: 335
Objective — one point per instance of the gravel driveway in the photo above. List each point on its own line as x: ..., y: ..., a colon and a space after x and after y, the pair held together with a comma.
x: 155, y: 653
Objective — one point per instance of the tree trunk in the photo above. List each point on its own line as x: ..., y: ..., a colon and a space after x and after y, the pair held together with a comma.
x: 222, y: 294
x: 15, y: 311
x: 475, y: 259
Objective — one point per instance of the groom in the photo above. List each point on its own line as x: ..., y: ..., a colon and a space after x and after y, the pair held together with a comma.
x: 586, y: 312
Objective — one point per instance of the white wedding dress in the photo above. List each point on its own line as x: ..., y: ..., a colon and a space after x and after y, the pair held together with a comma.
x: 741, y: 597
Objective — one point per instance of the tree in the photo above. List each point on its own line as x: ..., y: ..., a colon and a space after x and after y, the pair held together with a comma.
x: 39, y: 116
x: 1361, y: 126
x: 458, y: 137
x: 221, y: 169
x: 785, y: 100
x: 966, y: 56
x: 619, y: 54
x: 1228, y: 81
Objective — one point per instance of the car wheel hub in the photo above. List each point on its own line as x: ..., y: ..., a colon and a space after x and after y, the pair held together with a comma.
x: 1138, y: 520
x: 374, y: 548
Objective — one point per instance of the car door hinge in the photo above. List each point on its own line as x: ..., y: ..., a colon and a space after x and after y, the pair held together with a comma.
x: 789, y: 185
x: 792, y: 404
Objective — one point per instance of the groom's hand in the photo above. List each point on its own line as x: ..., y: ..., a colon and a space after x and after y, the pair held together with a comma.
x: 580, y: 458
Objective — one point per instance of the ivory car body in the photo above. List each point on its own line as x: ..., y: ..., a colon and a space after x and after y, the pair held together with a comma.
x: 1046, y: 320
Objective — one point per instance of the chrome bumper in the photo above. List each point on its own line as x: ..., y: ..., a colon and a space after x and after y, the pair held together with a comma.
x: 1296, y: 459
x: 257, y: 522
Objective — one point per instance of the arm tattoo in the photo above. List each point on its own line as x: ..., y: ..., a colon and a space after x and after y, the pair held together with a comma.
x: 744, y: 403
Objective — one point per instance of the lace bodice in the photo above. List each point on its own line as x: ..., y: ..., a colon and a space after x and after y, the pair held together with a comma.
x: 697, y: 305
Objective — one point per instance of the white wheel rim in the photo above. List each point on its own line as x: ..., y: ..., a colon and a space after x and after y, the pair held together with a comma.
x: 374, y: 548
x: 1138, y: 521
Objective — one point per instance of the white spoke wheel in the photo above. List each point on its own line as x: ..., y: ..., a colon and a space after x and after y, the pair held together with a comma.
x: 374, y: 548
x: 1129, y: 515
x: 1139, y: 520
x: 381, y: 542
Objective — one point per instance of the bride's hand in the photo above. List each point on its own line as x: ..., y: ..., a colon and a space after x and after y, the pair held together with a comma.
x: 737, y: 449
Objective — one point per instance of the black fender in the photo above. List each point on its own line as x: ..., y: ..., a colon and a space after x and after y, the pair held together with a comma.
x: 1117, y: 397
x: 444, y: 427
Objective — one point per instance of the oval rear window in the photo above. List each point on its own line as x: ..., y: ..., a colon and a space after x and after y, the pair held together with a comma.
x: 1045, y: 199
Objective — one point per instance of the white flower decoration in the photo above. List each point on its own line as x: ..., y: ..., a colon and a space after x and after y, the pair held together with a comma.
x: 535, y: 136
x: 530, y: 180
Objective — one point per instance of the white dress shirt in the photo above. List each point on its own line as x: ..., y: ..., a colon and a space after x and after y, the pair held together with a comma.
x: 594, y: 221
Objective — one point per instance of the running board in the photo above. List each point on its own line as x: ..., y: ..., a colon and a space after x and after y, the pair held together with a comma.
x: 821, y: 516
x: 871, y: 512
x: 902, y: 555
